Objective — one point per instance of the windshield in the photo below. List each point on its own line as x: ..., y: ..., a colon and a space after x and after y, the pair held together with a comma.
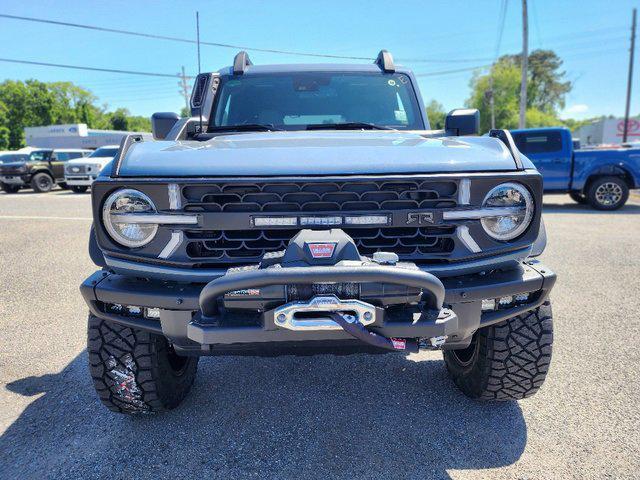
x: 12, y: 157
x: 105, y: 152
x: 294, y: 101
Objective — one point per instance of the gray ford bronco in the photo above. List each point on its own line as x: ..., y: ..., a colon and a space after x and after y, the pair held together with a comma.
x: 307, y: 209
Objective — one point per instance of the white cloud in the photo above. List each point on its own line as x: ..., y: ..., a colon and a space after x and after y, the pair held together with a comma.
x: 577, y: 108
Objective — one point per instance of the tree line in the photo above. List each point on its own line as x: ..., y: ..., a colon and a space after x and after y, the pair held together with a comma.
x: 34, y: 103
x: 546, y: 92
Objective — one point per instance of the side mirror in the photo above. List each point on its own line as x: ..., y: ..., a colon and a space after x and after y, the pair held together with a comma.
x: 462, y: 121
x: 162, y: 123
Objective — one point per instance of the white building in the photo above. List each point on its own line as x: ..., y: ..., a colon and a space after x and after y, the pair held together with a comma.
x: 608, y: 130
x: 75, y: 135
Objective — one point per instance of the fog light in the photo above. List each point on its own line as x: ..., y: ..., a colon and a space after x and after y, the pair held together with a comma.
x: 522, y: 297
x: 115, y: 308
x: 152, y: 312
x: 505, y: 301
x: 488, y: 304
x: 133, y: 310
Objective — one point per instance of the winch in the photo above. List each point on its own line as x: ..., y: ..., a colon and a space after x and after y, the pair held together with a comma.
x: 311, y: 248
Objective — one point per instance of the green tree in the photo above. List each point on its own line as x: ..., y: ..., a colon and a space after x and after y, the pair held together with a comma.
x: 546, y: 91
x: 119, y: 119
x: 546, y: 87
x: 436, y: 114
x: 4, y: 127
x: 506, y: 88
x: 34, y: 103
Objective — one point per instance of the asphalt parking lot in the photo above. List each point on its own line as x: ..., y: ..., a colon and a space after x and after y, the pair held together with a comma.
x: 358, y: 416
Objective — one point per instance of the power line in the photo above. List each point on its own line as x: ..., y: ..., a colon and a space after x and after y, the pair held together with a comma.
x: 447, y: 72
x: 501, y: 22
x: 93, y: 69
x: 225, y: 45
x: 176, y: 39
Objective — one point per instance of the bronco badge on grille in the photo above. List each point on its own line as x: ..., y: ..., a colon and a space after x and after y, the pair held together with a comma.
x: 321, y: 250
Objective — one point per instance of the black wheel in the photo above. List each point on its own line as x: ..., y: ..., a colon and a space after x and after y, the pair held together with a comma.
x: 608, y: 193
x: 135, y: 371
x: 578, y: 198
x: 506, y: 361
x: 79, y: 188
x: 7, y: 188
x: 42, y: 183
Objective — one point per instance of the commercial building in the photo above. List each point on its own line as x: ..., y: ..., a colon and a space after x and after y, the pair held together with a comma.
x: 607, y: 131
x: 75, y: 135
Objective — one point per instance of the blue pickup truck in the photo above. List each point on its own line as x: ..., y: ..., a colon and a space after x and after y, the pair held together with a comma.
x: 601, y: 178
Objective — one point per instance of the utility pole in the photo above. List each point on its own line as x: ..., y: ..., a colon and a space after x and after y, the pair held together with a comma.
x: 184, y: 88
x: 492, y: 103
x: 630, y: 77
x: 525, y: 61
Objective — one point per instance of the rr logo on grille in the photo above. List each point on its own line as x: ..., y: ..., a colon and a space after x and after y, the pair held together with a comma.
x: 321, y: 250
x: 419, y: 218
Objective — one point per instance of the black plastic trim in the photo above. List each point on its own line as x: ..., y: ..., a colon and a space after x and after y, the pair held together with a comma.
x: 506, y: 138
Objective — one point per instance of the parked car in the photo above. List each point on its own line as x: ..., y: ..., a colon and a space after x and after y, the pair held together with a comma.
x: 40, y: 169
x: 80, y: 173
x: 311, y: 211
x: 600, y: 177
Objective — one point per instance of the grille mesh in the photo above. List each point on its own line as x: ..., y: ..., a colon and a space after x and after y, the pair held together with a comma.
x: 321, y: 196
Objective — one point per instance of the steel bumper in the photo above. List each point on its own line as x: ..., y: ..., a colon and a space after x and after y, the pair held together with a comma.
x: 188, y: 317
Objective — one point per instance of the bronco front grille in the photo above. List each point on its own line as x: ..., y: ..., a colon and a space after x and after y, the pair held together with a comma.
x: 248, y: 245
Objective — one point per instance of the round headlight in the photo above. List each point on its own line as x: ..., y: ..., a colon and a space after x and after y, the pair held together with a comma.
x: 514, y: 211
x: 118, y: 215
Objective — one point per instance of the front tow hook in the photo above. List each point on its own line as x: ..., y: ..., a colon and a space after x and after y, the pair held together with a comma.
x: 353, y: 327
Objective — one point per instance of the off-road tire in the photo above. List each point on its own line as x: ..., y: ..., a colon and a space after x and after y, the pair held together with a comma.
x: 42, y: 183
x: 619, y: 188
x: 78, y: 188
x: 578, y: 198
x: 506, y: 361
x: 135, y: 371
x: 7, y: 188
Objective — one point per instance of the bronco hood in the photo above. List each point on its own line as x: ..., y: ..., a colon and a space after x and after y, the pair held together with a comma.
x: 316, y: 153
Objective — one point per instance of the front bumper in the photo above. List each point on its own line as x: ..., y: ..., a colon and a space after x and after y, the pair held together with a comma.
x: 14, y: 179
x: 79, y: 180
x: 182, y: 321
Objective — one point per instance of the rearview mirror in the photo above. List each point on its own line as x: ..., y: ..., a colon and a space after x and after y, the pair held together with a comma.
x: 462, y: 121
x: 162, y: 123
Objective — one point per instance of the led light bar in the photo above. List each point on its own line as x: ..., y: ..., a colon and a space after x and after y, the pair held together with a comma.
x: 367, y: 220
x: 275, y: 221
x: 321, y: 220
x: 308, y: 221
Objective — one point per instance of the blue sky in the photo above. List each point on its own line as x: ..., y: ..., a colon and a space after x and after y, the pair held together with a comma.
x: 592, y: 37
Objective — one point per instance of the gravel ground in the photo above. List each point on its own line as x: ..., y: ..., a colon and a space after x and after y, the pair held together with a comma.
x: 359, y: 416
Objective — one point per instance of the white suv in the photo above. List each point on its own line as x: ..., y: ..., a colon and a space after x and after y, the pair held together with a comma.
x: 79, y: 174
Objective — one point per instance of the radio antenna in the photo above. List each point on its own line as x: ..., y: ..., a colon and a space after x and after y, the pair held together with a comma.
x: 198, y: 78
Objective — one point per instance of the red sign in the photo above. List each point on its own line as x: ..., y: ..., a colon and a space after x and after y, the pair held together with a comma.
x: 322, y: 250
x: 633, y: 128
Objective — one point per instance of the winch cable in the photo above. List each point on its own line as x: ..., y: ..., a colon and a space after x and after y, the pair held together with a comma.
x: 353, y: 327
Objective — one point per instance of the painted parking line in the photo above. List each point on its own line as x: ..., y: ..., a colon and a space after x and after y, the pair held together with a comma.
x: 27, y: 217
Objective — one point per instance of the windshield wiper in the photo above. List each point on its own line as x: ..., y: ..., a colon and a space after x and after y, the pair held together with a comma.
x: 347, y: 126
x: 244, y: 127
